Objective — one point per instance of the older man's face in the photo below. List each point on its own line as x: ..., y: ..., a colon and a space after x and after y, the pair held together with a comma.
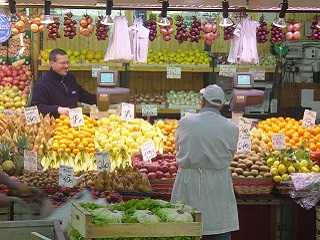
x: 60, y: 65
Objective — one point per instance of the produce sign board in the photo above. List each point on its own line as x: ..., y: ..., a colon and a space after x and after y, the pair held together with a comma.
x: 278, y: 141
x: 244, y: 142
x: 9, y: 112
x: 30, y: 161
x: 127, y: 111
x: 76, y: 117
x: 309, y: 118
x: 173, y: 72
x: 81, y: 220
x: 103, y: 161
x: 32, y: 115
x: 149, y: 110
x: 66, y: 176
x: 148, y: 151
x: 227, y: 70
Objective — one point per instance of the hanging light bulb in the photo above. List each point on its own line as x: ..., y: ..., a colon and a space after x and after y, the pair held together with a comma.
x: 107, y: 20
x: 281, y: 22
x: 164, y: 21
x: 47, y: 19
x: 13, y: 11
x: 226, y: 21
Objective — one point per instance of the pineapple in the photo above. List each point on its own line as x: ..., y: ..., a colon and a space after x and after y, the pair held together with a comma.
x: 5, y: 157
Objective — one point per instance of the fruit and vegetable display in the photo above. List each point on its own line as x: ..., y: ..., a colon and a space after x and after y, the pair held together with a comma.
x: 195, y: 30
x: 20, y: 25
x: 277, y: 34
x: 210, y: 32
x: 195, y: 56
x: 53, y: 29
x: 151, y: 98
x: 182, y: 33
x: 12, y: 98
x: 122, y: 138
x: 19, y: 76
x: 16, y: 44
x: 293, y: 33
x: 35, y: 24
x: 70, y: 26
x: 179, y: 99
x: 168, y: 128
x: 262, y: 31
x: 86, y: 26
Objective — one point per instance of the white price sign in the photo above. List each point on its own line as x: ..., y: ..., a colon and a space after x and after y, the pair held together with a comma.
x: 278, y: 141
x: 32, y: 115
x: 148, y: 151
x: 258, y: 74
x: 309, y: 118
x: 96, y: 69
x: 244, y: 126
x: 103, y: 161
x: 227, y: 70
x: 149, y: 110
x: 66, y: 176
x: 30, y: 161
x: 187, y: 112
x: 9, y: 112
x: 127, y: 111
x: 244, y: 144
x: 173, y: 72
x: 76, y: 117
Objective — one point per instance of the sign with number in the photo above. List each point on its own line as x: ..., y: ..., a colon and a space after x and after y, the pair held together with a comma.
x: 30, y: 161
x: 32, y: 115
x: 278, y: 141
x: 9, y: 112
x: 103, y: 161
x: 127, y: 111
x: 309, y: 118
x: 187, y: 112
x: 244, y: 126
x: 149, y: 110
x: 148, y: 151
x: 227, y: 70
x: 76, y: 117
x: 173, y: 72
x: 66, y: 176
x: 244, y: 144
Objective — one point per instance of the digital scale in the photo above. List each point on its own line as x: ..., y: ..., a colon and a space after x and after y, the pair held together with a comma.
x: 244, y: 95
x: 108, y: 90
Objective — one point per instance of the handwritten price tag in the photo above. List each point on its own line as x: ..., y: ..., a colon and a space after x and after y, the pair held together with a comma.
x: 244, y: 144
x: 127, y: 111
x: 187, y: 112
x: 66, y: 176
x: 32, y: 115
x: 76, y: 117
x: 258, y: 74
x: 227, y: 70
x: 173, y: 72
x: 149, y: 110
x: 9, y: 112
x: 309, y: 118
x: 30, y: 161
x: 148, y: 151
x: 103, y: 161
x: 278, y: 141
x: 244, y: 126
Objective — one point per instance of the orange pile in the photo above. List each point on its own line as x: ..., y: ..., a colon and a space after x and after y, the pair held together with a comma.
x: 168, y: 128
x: 295, y: 133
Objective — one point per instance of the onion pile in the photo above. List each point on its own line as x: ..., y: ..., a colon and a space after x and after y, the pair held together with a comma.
x: 86, y: 26
x: 53, y: 29
x: 293, y: 31
x: 262, y: 31
x: 151, y: 24
x: 315, y: 30
x: 101, y: 29
x: 167, y: 31
x: 36, y: 25
x: 19, y: 26
x: 210, y: 32
x: 195, y: 30
x: 277, y: 34
x: 228, y: 32
x: 182, y: 32
x: 70, y: 26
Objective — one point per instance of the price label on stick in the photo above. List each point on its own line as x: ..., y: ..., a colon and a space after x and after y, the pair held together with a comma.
x: 76, y: 117
x: 9, y: 112
x: 66, y: 176
x: 244, y: 144
x: 30, y: 161
x: 148, y: 151
x: 309, y: 118
x: 173, y: 72
x: 244, y: 126
x: 127, y: 111
x: 149, y: 110
x: 32, y: 115
x: 278, y: 141
x: 103, y: 161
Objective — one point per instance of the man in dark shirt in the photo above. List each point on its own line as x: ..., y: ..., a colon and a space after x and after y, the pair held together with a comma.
x: 57, y: 91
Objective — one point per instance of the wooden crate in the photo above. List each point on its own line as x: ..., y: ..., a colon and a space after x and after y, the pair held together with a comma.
x: 21, y: 230
x: 82, y: 222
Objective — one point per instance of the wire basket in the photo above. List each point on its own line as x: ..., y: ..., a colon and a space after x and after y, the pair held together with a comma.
x: 253, y: 186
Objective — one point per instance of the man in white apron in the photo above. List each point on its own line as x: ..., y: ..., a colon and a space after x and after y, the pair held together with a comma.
x: 206, y: 143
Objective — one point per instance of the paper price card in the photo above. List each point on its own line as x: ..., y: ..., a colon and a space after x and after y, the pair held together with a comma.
x: 148, y: 151
x: 76, y: 117
x: 187, y: 112
x: 149, y: 110
x: 95, y: 70
x: 32, y: 115
x: 30, y: 161
x: 244, y: 144
x: 9, y: 112
x: 66, y: 176
x: 278, y: 141
x: 127, y: 111
x: 227, y: 70
x: 244, y: 126
x: 309, y: 118
x: 258, y: 74
x: 173, y: 72
x: 103, y: 161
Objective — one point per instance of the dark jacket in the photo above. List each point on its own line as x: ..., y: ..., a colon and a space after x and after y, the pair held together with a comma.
x: 53, y: 91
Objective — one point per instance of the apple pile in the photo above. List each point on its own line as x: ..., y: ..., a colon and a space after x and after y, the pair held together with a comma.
x: 86, y: 26
x: 151, y: 24
x: 293, y: 33
x: 163, y: 166
x: 277, y: 34
x: 315, y: 30
x: 19, y: 76
x: 195, y: 30
x: 182, y: 32
x: 53, y: 29
x: 262, y: 31
x: 35, y: 25
x: 167, y: 31
x: 210, y: 32
x: 70, y: 26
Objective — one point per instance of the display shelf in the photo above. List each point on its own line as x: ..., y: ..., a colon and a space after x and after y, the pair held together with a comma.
x: 86, y: 67
x: 163, y: 67
x: 243, y: 67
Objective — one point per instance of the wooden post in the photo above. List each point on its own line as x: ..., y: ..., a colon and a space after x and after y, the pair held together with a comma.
x: 36, y: 47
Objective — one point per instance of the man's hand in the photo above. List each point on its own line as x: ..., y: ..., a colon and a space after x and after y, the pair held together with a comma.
x: 63, y: 110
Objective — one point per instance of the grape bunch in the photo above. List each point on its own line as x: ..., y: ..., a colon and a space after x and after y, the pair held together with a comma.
x: 151, y: 24
x: 315, y: 30
x: 195, y: 30
x: 262, y: 31
x: 228, y: 33
x: 70, y: 26
x: 182, y: 32
x: 101, y: 30
x: 277, y: 34
x: 53, y: 29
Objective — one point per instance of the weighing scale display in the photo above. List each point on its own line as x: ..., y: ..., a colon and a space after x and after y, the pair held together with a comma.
x: 244, y: 80
x: 106, y: 78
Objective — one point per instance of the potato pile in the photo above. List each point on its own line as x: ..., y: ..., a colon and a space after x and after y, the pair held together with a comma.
x: 250, y: 165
